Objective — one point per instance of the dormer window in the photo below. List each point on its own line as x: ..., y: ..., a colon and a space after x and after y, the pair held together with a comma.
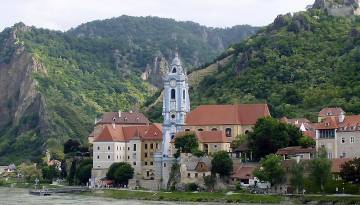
x: 327, y: 124
x: 174, y: 70
x: 328, y: 114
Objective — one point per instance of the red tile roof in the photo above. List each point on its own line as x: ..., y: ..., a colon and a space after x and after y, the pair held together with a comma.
x: 294, y: 121
x: 244, y: 172
x: 120, y: 133
x: 351, y: 122
x: 295, y: 150
x: 327, y: 123
x: 243, y: 114
x: 110, y: 134
x: 123, y: 118
x: 310, y: 134
x: 154, y: 132
x: 211, y: 136
x: 337, y: 163
x: 331, y: 111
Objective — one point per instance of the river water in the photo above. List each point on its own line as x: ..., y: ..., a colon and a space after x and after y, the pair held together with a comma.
x: 15, y: 196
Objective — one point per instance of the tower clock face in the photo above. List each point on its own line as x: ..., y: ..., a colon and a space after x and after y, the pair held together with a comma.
x: 173, y: 83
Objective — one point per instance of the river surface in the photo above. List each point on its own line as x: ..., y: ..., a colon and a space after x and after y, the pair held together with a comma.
x: 15, y: 196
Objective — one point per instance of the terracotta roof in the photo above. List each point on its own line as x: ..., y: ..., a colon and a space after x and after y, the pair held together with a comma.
x: 110, y: 134
x: 153, y: 133
x: 123, y: 118
x: 327, y: 123
x: 211, y: 136
x: 206, y: 136
x: 350, y: 123
x: 310, y: 134
x: 337, y: 163
x: 242, y: 114
x: 331, y: 111
x: 295, y: 150
x: 134, y: 132
x: 244, y: 172
x: 294, y: 121
x: 119, y: 133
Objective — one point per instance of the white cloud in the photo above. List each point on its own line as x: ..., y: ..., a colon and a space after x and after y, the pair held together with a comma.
x: 64, y: 14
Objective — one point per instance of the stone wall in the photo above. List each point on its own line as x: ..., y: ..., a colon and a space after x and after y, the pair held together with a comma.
x: 154, y: 185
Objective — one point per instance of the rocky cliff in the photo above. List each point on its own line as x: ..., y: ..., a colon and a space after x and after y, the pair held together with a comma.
x: 22, y: 108
x: 338, y: 7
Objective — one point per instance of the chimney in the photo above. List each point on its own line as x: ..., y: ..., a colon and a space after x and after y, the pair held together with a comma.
x: 119, y: 113
x: 342, y: 117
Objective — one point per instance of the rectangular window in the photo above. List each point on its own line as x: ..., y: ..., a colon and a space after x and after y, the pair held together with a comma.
x: 151, y: 163
x: 145, y: 155
x: 145, y: 146
x: 145, y: 163
x: 327, y: 134
x: 134, y: 147
x: 352, y: 140
x: 151, y: 146
x: 196, y: 175
x: 134, y: 163
x: 342, y: 140
x: 157, y: 146
x: 188, y: 175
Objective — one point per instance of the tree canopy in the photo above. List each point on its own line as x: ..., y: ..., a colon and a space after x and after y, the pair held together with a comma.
x: 221, y: 164
x: 186, y: 143
x: 350, y: 171
x: 269, y: 135
x: 320, y: 169
x: 120, y: 172
x: 271, y: 170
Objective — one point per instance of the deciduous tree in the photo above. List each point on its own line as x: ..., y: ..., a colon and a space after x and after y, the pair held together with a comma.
x: 221, y: 164
x: 271, y: 170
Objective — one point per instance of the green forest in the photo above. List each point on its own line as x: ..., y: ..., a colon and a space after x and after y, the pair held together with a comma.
x: 298, y: 65
x: 94, y: 68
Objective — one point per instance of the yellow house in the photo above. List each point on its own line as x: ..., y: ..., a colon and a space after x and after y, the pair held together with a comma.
x: 209, y: 141
x: 232, y: 119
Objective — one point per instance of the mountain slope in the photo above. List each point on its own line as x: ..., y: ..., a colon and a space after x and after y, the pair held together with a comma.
x: 298, y: 65
x: 54, y: 84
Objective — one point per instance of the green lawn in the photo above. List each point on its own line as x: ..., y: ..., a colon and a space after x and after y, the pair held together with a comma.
x: 333, y: 199
x: 188, y: 196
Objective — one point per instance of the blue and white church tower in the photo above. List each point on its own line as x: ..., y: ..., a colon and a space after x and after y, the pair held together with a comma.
x: 176, y: 104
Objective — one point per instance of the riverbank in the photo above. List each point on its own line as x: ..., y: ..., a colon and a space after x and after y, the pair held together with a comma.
x: 187, y: 196
x: 222, y: 197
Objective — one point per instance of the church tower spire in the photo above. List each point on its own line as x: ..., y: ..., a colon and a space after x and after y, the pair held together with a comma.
x: 176, y: 103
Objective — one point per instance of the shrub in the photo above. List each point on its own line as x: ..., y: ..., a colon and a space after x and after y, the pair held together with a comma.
x: 192, y: 187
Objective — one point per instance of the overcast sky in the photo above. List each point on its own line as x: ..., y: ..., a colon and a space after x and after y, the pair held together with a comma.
x: 64, y: 14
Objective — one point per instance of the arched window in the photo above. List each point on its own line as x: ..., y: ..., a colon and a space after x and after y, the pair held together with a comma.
x: 173, y: 94
x: 214, y: 129
x: 228, y: 132
x: 174, y: 70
